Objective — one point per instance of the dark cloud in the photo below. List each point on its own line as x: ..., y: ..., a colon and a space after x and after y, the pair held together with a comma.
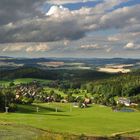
x: 13, y: 10
x: 41, y: 30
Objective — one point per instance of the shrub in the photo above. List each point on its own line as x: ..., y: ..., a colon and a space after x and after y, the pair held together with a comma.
x: 26, y: 100
x: 12, y: 107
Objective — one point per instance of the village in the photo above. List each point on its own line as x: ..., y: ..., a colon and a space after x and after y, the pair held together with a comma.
x: 34, y: 92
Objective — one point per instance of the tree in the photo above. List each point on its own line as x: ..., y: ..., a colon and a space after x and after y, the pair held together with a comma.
x: 11, y: 84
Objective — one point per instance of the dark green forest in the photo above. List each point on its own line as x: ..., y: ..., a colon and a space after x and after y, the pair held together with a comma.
x: 64, y: 74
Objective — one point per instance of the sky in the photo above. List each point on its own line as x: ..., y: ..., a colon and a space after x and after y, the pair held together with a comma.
x: 70, y: 28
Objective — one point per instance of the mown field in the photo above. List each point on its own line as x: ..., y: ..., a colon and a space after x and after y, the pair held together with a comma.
x: 96, y: 120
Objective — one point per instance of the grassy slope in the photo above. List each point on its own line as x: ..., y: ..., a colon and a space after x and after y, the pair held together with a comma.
x: 47, y: 89
x: 96, y: 120
x: 28, y: 80
x: 24, y: 81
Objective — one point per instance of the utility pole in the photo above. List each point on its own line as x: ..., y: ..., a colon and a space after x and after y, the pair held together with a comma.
x: 70, y: 107
x: 37, y: 109
x: 56, y: 109
x: 6, y: 108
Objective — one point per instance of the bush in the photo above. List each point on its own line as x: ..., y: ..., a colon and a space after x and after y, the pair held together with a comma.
x: 26, y: 100
x: 12, y: 107
x: 11, y: 84
x: 37, y: 101
x: 120, y: 106
x: 70, y: 98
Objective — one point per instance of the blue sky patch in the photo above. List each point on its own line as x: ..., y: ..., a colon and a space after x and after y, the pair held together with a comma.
x: 126, y: 4
x: 76, y: 6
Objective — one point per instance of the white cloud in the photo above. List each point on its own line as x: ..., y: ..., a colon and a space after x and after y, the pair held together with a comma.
x: 25, y: 47
x: 38, y: 48
x: 13, y: 48
x: 66, y: 42
x: 57, y: 10
x: 131, y: 46
x: 112, y: 38
x: 125, y: 37
x: 109, y: 50
x: 91, y: 46
x: 60, y: 2
x: 30, y: 49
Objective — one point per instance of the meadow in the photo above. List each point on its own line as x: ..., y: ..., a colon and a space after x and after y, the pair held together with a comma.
x: 96, y: 120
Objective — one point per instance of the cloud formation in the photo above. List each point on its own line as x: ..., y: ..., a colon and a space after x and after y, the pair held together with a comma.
x: 26, y: 21
x: 60, y: 23
x: 25, y: 47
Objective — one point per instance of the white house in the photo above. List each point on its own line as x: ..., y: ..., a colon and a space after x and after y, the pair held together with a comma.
x: 124, y: 101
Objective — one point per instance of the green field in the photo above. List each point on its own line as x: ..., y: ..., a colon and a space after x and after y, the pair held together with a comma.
x: 24, y: 81
x: 95, y: 120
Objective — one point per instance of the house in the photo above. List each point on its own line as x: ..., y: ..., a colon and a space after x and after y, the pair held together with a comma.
x: 27, y: 90
x: 64, y: 101
x: 124, y: 101
x: 87, y: 101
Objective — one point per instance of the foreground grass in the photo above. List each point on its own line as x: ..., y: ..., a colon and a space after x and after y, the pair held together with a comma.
x: 22, y: 132
x: 16, y: 132
x: 95, y: 120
